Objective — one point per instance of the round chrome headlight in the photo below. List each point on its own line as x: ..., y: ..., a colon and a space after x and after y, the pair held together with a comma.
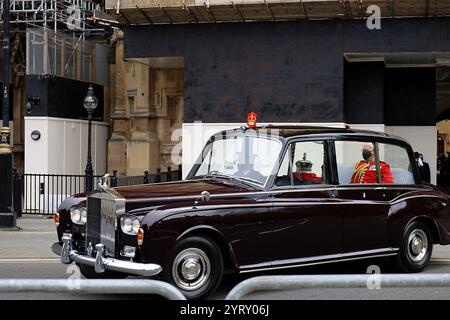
x: 130, y: 225
x: 83, y: 215
x: 127, y: 225
x: 78, y: 215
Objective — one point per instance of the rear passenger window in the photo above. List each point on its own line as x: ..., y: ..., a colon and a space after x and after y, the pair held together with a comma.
x: 397, y: 159
x: 348, y: 156
x: 303, y: 164
x: 357, y: 163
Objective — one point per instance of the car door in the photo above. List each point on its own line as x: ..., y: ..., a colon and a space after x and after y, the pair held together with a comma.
x: 364, y: 202
x: 247, y: 227
x: 306, y: 224
x: 246, y: 218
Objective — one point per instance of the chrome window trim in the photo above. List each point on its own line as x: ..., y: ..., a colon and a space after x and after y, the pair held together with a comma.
x: 277, y: 191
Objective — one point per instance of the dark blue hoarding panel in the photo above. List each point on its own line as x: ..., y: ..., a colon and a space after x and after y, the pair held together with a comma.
x: 284, y: 71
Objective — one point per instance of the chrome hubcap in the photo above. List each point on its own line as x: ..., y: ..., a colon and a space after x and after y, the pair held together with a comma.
x: 417, y: 245
x: 191, y: 269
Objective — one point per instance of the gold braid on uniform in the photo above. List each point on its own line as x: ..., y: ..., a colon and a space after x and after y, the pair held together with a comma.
x: 359, y: 171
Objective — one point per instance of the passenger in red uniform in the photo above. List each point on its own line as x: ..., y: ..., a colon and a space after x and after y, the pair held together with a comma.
x: 365, y: 171
x: 304, y: 174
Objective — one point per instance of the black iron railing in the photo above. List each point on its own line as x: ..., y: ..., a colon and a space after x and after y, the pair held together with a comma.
x: 43, y: 193
x: 158, y: 176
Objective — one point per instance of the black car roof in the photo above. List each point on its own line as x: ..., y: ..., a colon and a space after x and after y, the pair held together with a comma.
x: 288, y: 131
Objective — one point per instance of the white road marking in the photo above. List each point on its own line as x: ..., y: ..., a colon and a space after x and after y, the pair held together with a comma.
x: 25, y: 232
x: 440, y: 261
x: 30, y: 260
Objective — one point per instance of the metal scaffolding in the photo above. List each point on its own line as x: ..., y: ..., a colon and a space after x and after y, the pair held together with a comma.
x: 57, y: 15
x: 56, y: 36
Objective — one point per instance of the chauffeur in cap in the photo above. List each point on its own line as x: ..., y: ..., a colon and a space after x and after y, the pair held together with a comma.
x: 365, y: 171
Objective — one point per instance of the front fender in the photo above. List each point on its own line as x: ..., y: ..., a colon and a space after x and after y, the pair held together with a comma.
x: 65, y: 223
x: 162, y: 234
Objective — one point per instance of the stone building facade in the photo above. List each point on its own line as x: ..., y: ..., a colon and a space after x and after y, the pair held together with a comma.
x: 148, y: 109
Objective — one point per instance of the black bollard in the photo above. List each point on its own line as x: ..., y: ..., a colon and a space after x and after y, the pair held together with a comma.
x: 158, y: 175
x: 17, y: 193
x: 169, y: 174
x: 180, y: 176
x: 114, y: 179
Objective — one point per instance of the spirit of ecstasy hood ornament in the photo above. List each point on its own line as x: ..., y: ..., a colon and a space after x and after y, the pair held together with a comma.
x: 104, y: 182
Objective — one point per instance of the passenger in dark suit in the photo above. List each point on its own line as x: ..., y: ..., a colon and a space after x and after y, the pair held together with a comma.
x: 424, y: 167
x: 426, y: 170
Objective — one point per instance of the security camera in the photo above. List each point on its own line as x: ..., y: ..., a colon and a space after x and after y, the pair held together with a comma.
x: 32, y: 101
x: 28, y: 107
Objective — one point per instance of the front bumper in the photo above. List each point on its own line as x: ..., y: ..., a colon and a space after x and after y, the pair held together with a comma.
x: 102, y: 263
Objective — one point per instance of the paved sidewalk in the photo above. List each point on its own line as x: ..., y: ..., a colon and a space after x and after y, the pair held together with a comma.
x: 37, y: 235
x: 441, y: 253
x: 34, y: 239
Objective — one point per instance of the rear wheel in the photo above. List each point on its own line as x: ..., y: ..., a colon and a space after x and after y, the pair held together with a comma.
x: 195, y: 267
x: 89, y: 273
x: 416, y: 248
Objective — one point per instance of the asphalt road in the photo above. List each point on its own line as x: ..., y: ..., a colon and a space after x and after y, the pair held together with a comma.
x: 53, y: 269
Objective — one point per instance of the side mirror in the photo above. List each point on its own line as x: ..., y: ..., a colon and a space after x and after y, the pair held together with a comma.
x: 204, y: 196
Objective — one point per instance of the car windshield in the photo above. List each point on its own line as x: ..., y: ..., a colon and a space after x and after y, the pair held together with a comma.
x: 247, y: 158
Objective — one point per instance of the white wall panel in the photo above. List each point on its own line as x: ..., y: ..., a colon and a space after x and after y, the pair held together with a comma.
x: 62, y: 148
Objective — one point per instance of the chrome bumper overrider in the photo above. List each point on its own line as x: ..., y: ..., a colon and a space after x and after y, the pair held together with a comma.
x: 102, y: 263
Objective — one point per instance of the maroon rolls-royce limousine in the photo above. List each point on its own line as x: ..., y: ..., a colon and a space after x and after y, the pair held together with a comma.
x: 258, y: 199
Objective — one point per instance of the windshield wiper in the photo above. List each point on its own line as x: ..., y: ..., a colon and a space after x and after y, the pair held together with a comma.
x: 249, y: 180
x: 216, y: 173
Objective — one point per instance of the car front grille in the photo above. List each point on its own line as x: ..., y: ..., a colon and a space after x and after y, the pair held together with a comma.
x: 93, y: 223
x: 108, y: 223
x: 101, y: 222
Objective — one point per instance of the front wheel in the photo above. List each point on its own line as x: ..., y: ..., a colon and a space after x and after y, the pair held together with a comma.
x: 195, y: 267
x: 416, y: 248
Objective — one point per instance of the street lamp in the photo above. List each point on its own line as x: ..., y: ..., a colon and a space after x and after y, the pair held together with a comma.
x: 90, y: 102
x: 7, y: 217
